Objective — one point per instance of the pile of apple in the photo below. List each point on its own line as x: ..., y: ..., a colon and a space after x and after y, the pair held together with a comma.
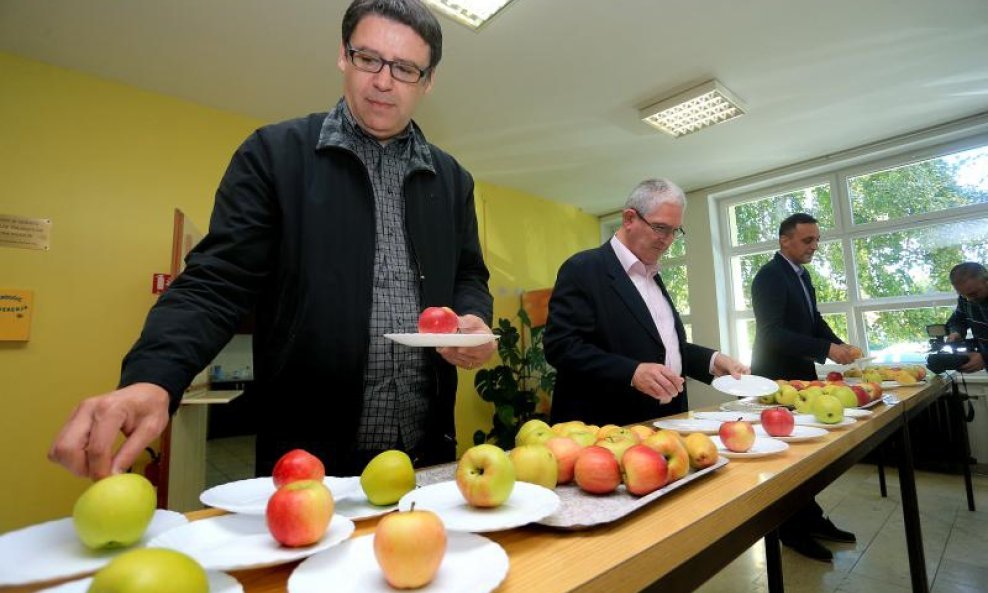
x: 301, y: 508
x: 599, y: 459
x: 805, y: 397
x: 904, y: 375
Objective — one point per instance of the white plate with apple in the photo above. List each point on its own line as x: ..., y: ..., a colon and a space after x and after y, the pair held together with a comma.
x: 762, y: 447
x: 746, y: 386
x: 250, y: 497
x: 238, y: 542
x: 811, y: 420
x: 52, y: 550
x: 356, y: 507
x: 799, y: 433
x: 527, y: 503
x: 441, y: 340
x: 688, y: 425
x: 219, y: 582
x: 472, y: 564
x: 729, y: 416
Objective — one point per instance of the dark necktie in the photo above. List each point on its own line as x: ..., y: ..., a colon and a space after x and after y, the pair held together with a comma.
x: 804, y: 277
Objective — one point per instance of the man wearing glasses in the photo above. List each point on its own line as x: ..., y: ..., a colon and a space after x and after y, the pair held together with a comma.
x: 613, y: 333
x: 336, y: 229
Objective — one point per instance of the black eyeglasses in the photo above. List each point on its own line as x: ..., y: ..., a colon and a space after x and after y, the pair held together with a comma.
x: 662, y: 230
x: 401, y: 71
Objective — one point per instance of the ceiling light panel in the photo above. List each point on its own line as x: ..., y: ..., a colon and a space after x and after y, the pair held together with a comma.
x: 472, y: 13
x: 700, y: 107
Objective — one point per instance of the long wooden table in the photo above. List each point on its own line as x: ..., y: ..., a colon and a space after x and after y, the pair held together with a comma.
x: 687, y: 536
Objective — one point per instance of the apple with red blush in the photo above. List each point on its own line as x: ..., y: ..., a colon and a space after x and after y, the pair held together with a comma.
x: 438, y: 320
x: 778, y: 422
x: 298, y: 513
x: 297, y: 464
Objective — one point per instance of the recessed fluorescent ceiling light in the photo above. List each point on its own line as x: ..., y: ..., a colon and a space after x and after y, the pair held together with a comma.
x: 700, y: 107
x: 472, y: 13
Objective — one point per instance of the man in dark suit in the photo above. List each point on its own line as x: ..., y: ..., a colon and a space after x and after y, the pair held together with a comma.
x: 613, y: 333
x: 790, y: 335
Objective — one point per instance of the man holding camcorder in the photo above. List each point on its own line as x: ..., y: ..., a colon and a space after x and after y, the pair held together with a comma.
x: 970, y: 280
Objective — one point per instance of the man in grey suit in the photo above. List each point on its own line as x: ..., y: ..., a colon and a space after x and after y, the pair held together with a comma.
x: 790, y: 335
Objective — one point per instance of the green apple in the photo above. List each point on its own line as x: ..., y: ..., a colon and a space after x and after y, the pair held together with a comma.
x: 388, y: 477
x: 828, y: 409
x: 804, y: 401
x: 769, y: 399
x: 535, y: 464
x: 584, y: 438
x: 115, y: 511
x: 536, y: 430
x: 150, y: 570
x: 485, y: 476
x: 787, y: 396
x: 847, y: 397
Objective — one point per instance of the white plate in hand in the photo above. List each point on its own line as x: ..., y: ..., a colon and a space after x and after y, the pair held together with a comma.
x: 441, y: 340
x: 236, y: 542
x: 810, y: 420
x: 746, y: 386
x: 472, y: 564
x: 52, y: 550
x: 219, y: 582
x: 799, y: 433
x: 528, y: 503
x: 250, y: 497
x: 762, y: 447
x: 688, y: 425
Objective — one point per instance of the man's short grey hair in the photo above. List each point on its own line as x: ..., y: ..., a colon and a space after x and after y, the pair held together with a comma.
x: 652, y: 192
x: 963, y: 272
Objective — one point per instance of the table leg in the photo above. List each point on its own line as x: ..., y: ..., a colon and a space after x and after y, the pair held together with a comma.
x: 956, y: 414
x: 773, y: 562
x: 910, y: 512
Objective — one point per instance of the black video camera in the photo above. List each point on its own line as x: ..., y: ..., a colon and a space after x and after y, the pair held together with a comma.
x: 943, y: 356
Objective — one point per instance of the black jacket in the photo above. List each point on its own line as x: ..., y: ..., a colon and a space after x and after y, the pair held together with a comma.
x: 292, y: 235
x: 788, y: 337
x: 598, y: 331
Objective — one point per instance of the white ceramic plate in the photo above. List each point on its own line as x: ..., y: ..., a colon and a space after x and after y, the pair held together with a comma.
x: 728, y: 416
x: 763, y: 447
x: 748, y: 404
x: 857, y: 412
x: 236, y: 542
x: 810, y: 420
x: 250, y: 497
x: 219, y: 582
x: 472, y: 564
x: 746, y: 386
x: 688, y: 425
x: 528, y: 503
x: 799, y: 433
x: 52, y: 550
x: 356, y: 507
x: 440, y: 340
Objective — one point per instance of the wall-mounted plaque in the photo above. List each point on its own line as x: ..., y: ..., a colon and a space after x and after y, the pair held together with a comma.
x: 16, y: 307
x: 23, y: 232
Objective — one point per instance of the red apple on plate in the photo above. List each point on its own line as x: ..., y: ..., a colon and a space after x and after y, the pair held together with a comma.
x: 862, y: 396
x: 566, y: 451
x: 298, y: 513
x: 778, y: 422
x: 438, y: 320
x: 737, y: 435
x: 297, y: 464
x: 597, y: 470
x: 485, y: 476
x: 645, y: 470
x: 409, y: 547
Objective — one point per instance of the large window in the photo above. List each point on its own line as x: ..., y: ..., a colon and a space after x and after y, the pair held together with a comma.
x: 890, y: 232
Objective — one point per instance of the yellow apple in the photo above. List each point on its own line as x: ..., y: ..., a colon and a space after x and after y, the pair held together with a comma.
x: 115, y: 511
x: 409, y: 547
x: 387, y: 477
x: 150, y: 570
x: 535, y: 464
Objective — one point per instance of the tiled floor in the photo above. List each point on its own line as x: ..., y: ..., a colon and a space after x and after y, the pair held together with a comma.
x: 955, y: 539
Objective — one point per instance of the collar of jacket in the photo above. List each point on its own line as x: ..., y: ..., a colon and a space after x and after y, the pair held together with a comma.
x: 334, y: 135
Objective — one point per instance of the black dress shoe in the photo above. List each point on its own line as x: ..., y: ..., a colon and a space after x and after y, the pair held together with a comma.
x: 825, y: 529
x: 809, y: 547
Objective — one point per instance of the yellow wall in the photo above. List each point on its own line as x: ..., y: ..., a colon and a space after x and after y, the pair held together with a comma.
x: 525, y: 239
x: 108, y: 164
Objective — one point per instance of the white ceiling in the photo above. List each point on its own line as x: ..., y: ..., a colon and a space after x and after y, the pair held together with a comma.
x: 545, y: 98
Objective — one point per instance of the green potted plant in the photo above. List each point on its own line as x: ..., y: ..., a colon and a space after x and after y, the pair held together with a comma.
x: 520, y: 387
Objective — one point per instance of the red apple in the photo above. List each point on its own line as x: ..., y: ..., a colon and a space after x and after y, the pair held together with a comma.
x: 409, y: 547
x: 874, y: 389
x: 645, y: 470
x: 671, y: 446
x: 835, y: 376
x: 485, y: 476
x: 298, y: 513
x: 566, y: 451
x: 737, y: 435
x: 438, y: 320
x: 297, y: 464
x: 778, y: 422
x: 597, y: 470
x: 863, y: 397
